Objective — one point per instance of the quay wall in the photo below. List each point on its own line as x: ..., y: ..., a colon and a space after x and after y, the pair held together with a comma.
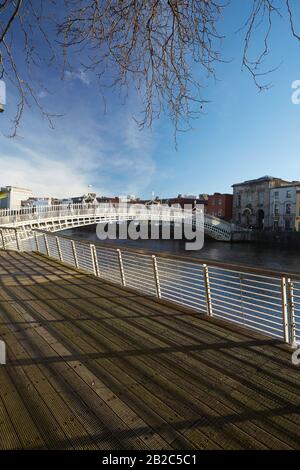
x: 269, y: 237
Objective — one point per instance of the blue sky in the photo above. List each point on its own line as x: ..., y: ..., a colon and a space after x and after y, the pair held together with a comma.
x: 243, y: 135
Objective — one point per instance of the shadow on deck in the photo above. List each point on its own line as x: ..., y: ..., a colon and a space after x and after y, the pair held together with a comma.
x: 91, y: 365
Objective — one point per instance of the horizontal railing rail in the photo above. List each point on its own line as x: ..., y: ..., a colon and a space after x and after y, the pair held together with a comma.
x: 262, y: 300
x: 58, y: 217
x: 163, y: 254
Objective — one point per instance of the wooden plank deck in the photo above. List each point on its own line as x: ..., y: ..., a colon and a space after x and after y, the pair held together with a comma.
x: 94, y: 366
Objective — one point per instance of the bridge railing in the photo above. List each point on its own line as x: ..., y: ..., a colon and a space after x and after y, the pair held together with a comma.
x: 28, y: 214
x: 264, y: 301
x: 43, y: 212
x: 56, y: 218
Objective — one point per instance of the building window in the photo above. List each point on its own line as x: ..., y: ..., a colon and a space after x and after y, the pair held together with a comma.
x: 276, y: 209
x: 276, y: 194
x: 261, y: 197
x: 239, y: 200
x: 239, y: 217
x: 288, y: 209
x: 289, y: 194
x: 220, y: 201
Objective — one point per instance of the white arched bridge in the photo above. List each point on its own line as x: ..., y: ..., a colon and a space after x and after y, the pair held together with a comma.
x: 20, y: 224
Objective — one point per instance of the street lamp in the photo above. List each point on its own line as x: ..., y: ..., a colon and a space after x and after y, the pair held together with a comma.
x: 2, y: 96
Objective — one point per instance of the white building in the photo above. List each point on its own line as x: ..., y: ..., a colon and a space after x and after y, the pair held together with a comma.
x: 283, y: 207
x: 11, y: 197
x: 37, y: 202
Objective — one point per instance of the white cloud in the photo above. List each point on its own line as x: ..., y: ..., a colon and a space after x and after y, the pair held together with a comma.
x: 114, y: 157
x: 42, y: 94
x: 78, y: 75
x: 43, y: 176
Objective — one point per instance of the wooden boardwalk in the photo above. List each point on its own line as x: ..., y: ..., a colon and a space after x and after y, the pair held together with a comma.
x: 91, y: 366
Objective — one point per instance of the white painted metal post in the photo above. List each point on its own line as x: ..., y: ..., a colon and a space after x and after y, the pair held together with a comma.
x: 291, y: 312
x: 74, y: 254
x: 2, y: 353
x: 95, y: 260
x: 285, y: 320
x: 59, y: 249
x: 36, y: 242
x: 207, y: 290
x: 121, y: 267
x: 46, y: 245
x: 156, y: 277
x: 3, y: 240
x: 17, y: 239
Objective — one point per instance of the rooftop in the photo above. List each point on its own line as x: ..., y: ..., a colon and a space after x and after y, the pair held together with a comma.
x: 293, y: 184
x: 9, y: 188
x: 260, y: 180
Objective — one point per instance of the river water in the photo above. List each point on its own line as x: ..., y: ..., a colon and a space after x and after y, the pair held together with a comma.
x: 250, y: 254
x: 245, y: 298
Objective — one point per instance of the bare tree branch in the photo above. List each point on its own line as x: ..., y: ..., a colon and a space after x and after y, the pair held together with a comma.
x: 165, y: 50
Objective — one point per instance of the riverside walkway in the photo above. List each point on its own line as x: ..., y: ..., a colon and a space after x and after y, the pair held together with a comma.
x: 91, y: 365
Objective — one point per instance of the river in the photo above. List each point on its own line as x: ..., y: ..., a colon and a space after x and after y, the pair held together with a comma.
x: 250, y: 254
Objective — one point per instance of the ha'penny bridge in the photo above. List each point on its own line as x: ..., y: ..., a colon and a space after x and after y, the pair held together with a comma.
x: 57, y: 218
x: 105, y: 347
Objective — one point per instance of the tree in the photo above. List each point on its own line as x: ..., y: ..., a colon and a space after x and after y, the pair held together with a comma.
x: 152, y: 45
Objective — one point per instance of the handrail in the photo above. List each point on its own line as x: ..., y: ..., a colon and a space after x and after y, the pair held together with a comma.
x: 57, y: 218
x: 263, y: 300
x: 210, y: 262
x: 93, y: 208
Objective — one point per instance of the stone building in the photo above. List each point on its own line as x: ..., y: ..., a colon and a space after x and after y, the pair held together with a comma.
x: 251, y: 202
x: 297, y: 216
x: 283, y: 204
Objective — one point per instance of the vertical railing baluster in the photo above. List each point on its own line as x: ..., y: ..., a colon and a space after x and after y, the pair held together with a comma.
x: 291, y: 312
x: 74, y: 254
x: 207, y: 291
x: 3, y: 240
x: 36, y: 242
x: 46, y: 245
x: 122, y: 274
x: 17, y: 239
x: 59, y: 249
x: 156, y: 276
x: 95, y: 260
x: 2, y: 353
x: 285, y: 320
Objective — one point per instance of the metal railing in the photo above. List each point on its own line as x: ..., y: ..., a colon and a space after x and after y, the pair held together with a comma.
x: 265, y: 301
x: 59, y: 217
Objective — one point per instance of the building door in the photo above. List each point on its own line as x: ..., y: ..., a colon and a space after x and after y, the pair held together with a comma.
x: 247, y: 218
x: 260, y: 219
